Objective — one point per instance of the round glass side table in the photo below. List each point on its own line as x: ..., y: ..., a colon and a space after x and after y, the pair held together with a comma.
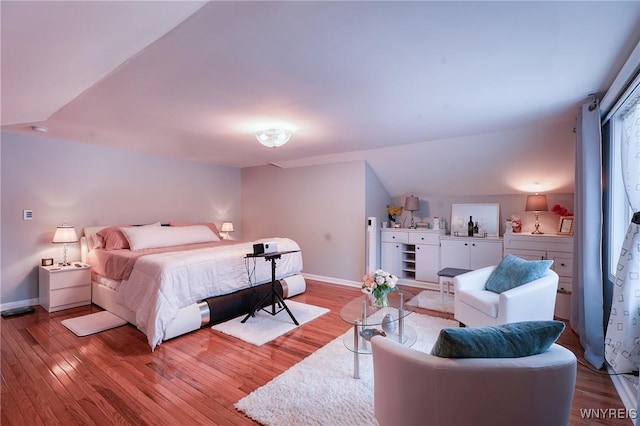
x: 369, y: 320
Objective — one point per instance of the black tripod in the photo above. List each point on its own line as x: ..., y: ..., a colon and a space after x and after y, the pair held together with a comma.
x: 273, y: 293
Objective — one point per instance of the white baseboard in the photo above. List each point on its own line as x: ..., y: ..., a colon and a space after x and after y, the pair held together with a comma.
x: 357, y: 284
x: 332, y: 280
x: 19, y: 304
x: 626, y: 389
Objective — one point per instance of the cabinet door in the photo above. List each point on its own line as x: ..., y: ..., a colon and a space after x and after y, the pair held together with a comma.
x: 454, y: 254
x: 391, y: 258
x: 483, y: 253
x: 427, y: 262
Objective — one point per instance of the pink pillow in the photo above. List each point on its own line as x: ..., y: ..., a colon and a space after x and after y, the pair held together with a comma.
x: 210, y: 225
x: 113, y: 238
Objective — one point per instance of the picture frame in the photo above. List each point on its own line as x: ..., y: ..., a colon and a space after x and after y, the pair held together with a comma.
x: 565, y: 225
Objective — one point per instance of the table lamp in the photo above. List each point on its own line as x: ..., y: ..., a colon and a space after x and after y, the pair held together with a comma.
x: 412, y: 204
x: 225, y: 229
x: 536, y: 203
x: 65, y: 234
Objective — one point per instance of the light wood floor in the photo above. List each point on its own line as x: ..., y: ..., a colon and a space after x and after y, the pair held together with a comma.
x: 50, y: 376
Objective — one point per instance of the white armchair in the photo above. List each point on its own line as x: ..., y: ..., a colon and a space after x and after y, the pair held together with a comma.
x: 415, y: 388
x: 475, y: 307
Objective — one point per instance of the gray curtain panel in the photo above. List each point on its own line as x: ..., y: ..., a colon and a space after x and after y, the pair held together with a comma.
x: 587, y: 300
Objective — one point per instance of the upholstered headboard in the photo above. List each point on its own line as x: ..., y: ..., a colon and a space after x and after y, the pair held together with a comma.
x: 88, y: 240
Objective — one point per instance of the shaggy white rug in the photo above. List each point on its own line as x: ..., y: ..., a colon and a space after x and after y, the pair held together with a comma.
x: 321, y: 390
x: 264, y: 327
x: 429, y: 299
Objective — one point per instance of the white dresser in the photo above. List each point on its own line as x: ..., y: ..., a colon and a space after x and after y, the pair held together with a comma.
x: 413, y: 255
x: 558, y: 248
x: 470, y: 252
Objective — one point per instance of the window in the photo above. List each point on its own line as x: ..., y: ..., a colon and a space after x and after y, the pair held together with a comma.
x: 619, y: 210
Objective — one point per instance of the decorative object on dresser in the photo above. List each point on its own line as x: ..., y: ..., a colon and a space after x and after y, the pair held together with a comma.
x: 554, y: 247
x: 565, y: 226
x: 65, y: 234
x: 536, y: 203
x: 225, y: 229
x: 486, y: 215
x: 516, y: 224
x: 392, y: 212
x: 63, y: 287
x: 412, y: 204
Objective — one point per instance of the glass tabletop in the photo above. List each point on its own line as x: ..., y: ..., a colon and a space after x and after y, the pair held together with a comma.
x: 361, y: 308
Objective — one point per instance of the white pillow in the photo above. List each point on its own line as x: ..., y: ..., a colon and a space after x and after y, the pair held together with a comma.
x: 93, y: 241
x: 142, y: 237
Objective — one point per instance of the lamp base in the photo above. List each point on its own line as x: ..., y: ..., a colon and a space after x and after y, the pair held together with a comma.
x: 537, y: 230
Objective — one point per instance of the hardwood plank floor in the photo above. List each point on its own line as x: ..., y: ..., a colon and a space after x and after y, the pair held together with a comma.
x: 50, y: 376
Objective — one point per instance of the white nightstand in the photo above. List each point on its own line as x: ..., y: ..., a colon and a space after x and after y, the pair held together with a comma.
x: 63, y: 287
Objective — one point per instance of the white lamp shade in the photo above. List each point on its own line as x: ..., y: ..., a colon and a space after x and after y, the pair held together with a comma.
x: 412, y: 204
x: 65, y: 234
x: 226, y: 227
x: 273, y: 138
x: 536, y: 203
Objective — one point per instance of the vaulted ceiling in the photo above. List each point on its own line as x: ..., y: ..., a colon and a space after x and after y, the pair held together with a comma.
x: 427, y: 86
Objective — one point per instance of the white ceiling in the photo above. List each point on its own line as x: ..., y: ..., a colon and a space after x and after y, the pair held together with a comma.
x: 196, y: 79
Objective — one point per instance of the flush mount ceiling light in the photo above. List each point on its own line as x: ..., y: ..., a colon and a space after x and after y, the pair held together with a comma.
x: 273, y: 138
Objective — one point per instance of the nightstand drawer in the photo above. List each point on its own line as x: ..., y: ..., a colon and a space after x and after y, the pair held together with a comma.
x: 69, y: 278
x: 67, y: 296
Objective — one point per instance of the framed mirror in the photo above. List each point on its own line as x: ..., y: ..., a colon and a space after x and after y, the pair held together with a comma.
x: 487, y: 215
x: 565, y: 226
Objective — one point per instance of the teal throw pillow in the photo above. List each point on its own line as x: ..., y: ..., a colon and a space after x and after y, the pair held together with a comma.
x: 512, y: 340
x: 513, y: 271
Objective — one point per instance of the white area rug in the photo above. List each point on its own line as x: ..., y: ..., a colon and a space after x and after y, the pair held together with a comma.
x: 93, y: 323
x: 321, y: 390
x: 264, y: 327
x: 429, y: 299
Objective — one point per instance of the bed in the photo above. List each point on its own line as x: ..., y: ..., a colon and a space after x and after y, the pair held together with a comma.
x: 170, y: 280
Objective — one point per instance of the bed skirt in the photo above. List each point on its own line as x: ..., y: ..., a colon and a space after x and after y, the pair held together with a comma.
x: 210, y: 311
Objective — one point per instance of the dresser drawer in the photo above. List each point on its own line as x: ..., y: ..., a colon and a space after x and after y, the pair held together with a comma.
x: 395, y: 237
x: 67, y: 296
x: 565, y: 284
x: 69, y: 278
x: 424, y: 238
x: 563, y: 265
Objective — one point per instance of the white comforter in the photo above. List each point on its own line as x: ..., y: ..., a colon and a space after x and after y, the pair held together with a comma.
x: 161, y: 284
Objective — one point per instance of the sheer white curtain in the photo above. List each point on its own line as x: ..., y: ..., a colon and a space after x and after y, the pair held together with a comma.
x: 622, y: 342
x: 587, y: 313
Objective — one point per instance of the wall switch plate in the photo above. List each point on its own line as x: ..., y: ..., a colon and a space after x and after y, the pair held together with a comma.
x: 27, y: 214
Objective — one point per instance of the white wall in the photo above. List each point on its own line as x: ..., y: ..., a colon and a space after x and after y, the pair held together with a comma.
x: 321, y: 207
x: 84, y: 185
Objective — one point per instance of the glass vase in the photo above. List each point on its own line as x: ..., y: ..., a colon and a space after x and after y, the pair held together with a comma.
x: 380, y: 301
